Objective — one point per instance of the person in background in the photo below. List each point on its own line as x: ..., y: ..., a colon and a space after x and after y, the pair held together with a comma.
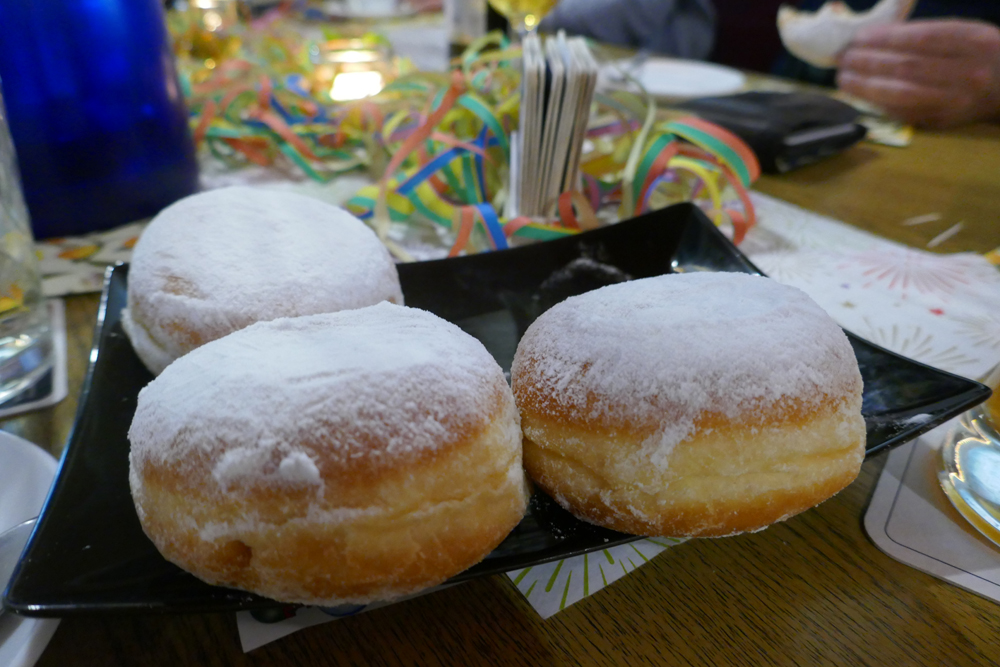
x: 939, y: 69
x: 682, y: 28
x: 934, y: 73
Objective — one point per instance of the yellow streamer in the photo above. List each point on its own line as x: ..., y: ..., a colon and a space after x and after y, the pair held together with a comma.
x: 708, y: 177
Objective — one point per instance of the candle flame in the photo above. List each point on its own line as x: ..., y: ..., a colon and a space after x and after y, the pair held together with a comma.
x: 356, y: 85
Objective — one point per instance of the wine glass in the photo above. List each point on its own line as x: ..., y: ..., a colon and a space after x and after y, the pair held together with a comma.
x: 523, y: 15
x: 970, y: 473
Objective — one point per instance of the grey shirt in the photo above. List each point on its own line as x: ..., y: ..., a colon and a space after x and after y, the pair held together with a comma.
x: 684, y: 28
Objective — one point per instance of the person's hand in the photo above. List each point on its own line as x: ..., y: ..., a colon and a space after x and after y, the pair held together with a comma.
x: 426, y: 5
x: 935, y: 73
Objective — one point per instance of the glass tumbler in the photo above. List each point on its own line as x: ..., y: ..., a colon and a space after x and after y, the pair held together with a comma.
x: 25, y: 335
x: 95, y: 111
x: 970, y: 473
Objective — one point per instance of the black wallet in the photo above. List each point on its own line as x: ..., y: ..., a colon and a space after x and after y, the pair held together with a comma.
x: 785, y: 130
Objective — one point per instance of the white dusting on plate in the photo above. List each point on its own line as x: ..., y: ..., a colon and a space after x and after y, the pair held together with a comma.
x: 917, y: 420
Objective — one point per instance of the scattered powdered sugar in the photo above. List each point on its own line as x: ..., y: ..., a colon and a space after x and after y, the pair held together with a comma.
x: 153, y: 354
x: 221, y: 260
x: 211, y: 531
x: 242, y: 463
x: 298, y: 467
x: 274, y: 400
x: 917, y: 420
x: 670, y: 348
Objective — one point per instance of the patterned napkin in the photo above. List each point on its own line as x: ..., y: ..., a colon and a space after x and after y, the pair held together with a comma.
x: 552, y: 587
x: 76, y: 264
x: 937, y: 309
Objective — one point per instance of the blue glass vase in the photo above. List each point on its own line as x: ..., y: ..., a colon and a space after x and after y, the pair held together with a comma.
x: 95, y: 111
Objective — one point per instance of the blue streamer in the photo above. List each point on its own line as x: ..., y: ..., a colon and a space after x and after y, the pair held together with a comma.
x: 429, y: 169
x: 294, y: 83
x: 438, y: 163
x: 283, y: 112
x: 493, y: 225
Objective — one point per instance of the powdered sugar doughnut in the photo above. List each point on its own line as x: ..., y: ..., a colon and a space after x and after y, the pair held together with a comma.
x: 218, y: 261
x: 345, y: 457
x: 697, y: 404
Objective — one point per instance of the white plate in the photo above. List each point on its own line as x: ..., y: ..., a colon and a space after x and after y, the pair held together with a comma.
x: 366, y: 9
x: 688, y: 79
x: 26, y: 472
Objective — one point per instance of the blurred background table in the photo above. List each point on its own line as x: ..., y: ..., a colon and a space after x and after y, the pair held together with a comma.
x: 812, y: 590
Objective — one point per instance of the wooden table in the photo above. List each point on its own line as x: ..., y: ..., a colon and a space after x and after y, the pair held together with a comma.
x: 813, y: 590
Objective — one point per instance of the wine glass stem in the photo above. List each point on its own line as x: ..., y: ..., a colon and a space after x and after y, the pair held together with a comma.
x: 518, y: 27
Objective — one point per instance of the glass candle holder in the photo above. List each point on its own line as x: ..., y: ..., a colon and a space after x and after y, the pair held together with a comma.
x: 211, y: 31
x: 351, y: 69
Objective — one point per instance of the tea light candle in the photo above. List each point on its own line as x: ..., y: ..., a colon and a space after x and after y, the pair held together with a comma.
x: 356, y: 85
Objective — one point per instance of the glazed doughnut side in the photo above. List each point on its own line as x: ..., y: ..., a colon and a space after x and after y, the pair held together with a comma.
x: 387, y: 460
x: 698, y: 404
x: 218, y: 261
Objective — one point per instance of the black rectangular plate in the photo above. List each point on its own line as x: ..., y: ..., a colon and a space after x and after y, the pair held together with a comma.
x: 89, y: 554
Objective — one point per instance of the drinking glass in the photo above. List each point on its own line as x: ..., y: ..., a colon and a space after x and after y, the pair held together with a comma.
x: 25, y: 336
x: 95, y: 111
x: 523, y: 15
x: 970, y: 474
x: 210, y: 30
